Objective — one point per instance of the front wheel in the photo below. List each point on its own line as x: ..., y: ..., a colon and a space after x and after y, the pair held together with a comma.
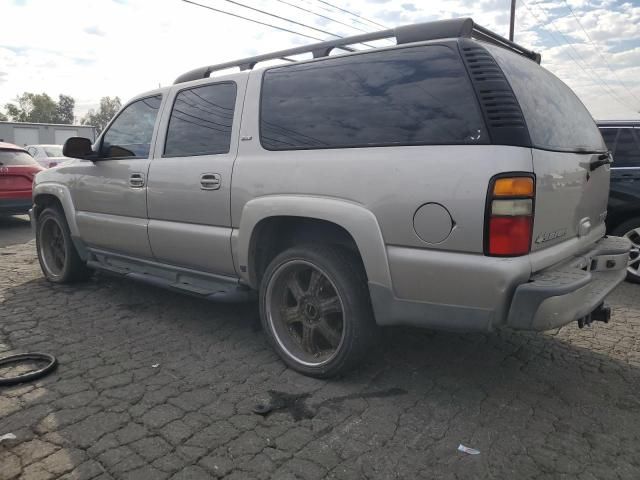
x: 57, y: 254
x: 631, y: 230
x: 316, y: 311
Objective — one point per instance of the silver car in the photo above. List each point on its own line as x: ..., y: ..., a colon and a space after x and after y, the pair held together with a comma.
x: 47, y: 155
x: 447, y: 182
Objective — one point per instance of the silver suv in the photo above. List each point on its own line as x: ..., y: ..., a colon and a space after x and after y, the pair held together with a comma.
x: 445, y: 182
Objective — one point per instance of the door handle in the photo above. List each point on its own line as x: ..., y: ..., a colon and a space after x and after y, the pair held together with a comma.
x: 210, y: 181
x: 136, y: 180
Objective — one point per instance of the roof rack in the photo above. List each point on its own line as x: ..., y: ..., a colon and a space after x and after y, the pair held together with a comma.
x: 419, y: 32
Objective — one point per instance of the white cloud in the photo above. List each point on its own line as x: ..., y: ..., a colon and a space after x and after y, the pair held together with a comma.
x: 93, y: 48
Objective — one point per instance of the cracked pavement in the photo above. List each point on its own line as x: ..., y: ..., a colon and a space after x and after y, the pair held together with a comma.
x: 153, y: 385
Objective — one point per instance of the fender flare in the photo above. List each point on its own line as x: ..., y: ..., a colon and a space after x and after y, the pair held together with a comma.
x: 357, y: 220
x: 63, y: 195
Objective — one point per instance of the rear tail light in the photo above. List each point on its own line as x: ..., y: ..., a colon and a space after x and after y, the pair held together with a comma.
x: 509, y: 223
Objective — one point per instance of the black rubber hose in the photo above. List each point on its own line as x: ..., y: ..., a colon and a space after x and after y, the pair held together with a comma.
x: 29, y: 376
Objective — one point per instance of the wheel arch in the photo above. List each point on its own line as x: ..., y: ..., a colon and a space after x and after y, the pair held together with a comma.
x: 47, y: 194
x: 287, y: 220
x: 617, y: 218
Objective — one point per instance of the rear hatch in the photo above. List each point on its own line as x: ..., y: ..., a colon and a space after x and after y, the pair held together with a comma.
x: 569, y: 155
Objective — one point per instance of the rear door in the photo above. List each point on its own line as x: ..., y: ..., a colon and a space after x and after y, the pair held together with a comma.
x: 625, y: 172
x: 571, y: 189
x: 190, y: 176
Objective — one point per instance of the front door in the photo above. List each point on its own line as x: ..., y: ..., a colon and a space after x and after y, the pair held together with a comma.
x: 109, y: 193
x: 190, y: 177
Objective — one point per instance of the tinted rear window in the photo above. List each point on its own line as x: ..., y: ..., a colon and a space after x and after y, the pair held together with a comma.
x: 407, y: 96
x: 10, y: 158
x: 556, y: 118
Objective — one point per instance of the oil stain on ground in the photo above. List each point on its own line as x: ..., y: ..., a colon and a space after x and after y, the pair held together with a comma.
x: 296, y: 403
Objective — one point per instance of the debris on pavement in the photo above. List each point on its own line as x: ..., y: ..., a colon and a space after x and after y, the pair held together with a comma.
x: 7, y: 436
x: 469, y: 450
x: 155, y: 365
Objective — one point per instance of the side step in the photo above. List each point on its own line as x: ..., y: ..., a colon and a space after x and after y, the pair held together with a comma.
x: 203, y: 285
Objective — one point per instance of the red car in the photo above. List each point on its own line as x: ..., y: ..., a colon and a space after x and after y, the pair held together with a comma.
x: 17, y: 169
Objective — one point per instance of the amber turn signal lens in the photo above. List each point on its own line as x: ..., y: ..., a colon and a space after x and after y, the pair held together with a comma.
x: 513, y: 187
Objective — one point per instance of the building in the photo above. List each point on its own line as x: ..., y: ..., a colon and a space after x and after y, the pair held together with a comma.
x: 23, y: 134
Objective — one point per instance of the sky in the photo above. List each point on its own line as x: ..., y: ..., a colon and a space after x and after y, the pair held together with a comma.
x: 94, y: 48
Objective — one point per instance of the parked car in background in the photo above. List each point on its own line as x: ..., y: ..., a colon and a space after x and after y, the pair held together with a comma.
x: 47, y: 155
x: 432, y: 183
x: 623, y: 218
x: 17, y: 170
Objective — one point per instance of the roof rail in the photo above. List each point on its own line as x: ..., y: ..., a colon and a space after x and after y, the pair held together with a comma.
x: 419, y: 32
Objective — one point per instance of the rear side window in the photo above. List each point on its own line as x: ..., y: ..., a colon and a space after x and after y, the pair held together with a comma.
x: 627, y: 152
x: 556, y: 118
x: 609, y: 135
x: 13, y: 158
x: 406, y: 96
x: 130, y: 133
x: 201, y: 121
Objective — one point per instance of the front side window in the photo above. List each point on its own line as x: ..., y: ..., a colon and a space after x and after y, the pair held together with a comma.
x: 53, y: 151
x: 201, y: 121
x: 556, y: 118
x: 130, y: 134
x: 405, y: 96
x: 627, y: 153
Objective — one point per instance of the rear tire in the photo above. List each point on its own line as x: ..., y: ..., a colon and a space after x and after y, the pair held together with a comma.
x: 316, y: 311
x: 631, y: 230
x: 58, y: 257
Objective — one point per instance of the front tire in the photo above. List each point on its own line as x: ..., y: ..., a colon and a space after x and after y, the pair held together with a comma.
x: 59, y: 260
x: 631, y: 230
x: 316, y: 311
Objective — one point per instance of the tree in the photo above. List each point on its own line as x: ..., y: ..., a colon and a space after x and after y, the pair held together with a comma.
x: 64, y: 111
x: 3, y: 117
x: 41, y: 108
x: 108, y: 108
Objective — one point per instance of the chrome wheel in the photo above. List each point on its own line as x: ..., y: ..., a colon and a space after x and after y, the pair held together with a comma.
x: 634, y: 255
x: 52, y: 247
x: 305, y: 312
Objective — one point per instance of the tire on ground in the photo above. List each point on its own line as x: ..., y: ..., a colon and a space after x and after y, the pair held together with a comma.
x: 344, y: 269
x: 620, y: 231
x: 73, y: 269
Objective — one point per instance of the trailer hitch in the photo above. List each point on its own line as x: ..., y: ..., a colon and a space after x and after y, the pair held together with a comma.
x: 602, y: 313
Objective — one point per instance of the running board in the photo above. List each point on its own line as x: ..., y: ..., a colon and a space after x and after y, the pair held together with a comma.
x: 204, y: 285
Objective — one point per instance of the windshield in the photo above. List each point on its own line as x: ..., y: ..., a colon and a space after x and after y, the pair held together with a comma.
x: 53, y: 150
x: 556, y: 118
x: 9, y: 158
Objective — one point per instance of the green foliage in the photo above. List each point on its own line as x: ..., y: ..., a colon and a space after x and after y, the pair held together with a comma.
x: 108, y: 108
x: 64, y: 110
x: 41, y: 108
x: 3, y: 117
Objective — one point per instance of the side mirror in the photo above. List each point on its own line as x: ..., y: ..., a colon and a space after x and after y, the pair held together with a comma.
x: 77, y: 147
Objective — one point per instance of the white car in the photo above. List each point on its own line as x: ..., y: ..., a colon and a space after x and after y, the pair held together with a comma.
x: 47, y: 155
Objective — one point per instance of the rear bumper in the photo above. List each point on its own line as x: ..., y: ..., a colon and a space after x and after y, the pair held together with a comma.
x: 571, y: 291
x: 456, y: 291
x: 14, y: 206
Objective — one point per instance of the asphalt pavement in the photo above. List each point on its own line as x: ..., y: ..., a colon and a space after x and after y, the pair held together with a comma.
x: 14, y: 230
x: 156, y: 385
